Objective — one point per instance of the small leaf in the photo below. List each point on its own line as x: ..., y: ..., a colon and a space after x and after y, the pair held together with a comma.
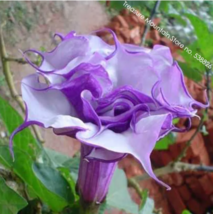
x: 10, y: 201
x: 164, y: 143
x: 148, y: 207
x: 144, y: 196
x: 118, y: 195
x: 175, y: 121
x: 204, y: 130
x: 186, y: 212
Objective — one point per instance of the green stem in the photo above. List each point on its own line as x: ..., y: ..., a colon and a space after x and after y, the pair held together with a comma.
x: 146, y: 29
x: 89, y: 208
x: 10, y: 82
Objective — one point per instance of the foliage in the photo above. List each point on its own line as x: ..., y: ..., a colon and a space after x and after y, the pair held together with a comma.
x: 118, y: 195
x: 12, y: 120
x: 148, y: 207
x: 186, y: 212
x: 27, y: 153
x: 164, y: 143
x: 10, y: 201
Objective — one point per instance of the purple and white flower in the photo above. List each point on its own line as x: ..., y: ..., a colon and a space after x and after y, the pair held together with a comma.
x: 115, y: 99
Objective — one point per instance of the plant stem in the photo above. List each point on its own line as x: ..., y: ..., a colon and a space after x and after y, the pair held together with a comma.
x: 176, y: 167
x: 89, y: 208
x: 188, y: 144
x: 134, y: 184
x: 18, y: 60
x: 146, y: 29
x: 10, y: 82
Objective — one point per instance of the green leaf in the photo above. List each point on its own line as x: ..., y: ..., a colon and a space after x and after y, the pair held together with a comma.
x: 148, y: 207
x: 172, y: 10
x: 102, y: 208
x: 175, y: 121
x: 199, y: 25
x: 191, y: 73
x: 186, y: 212
x: 135, y: 4
x: 205, y: 39
x: 26, y: 149
x: 117, y: 5
x: 179, y: 18
x: 53, y: 181
x: 191, y: 59
x: 56, y: 158
x: 164, y: 143
x: 67, y: 175
x: 118, y: 195
x: 144, y: 196
x: 73, y: 165
x: 164, y: 6
x: 74, y: 209
x: 11, y: 119
x: 23, y: 168
x: 10, y: 201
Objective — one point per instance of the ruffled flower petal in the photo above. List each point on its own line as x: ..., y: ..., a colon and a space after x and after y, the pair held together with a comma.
x: 65, y: 52
x: 139, y: 144
x: 44, y: 109
x: 173, y: 94
x: 43, y: 102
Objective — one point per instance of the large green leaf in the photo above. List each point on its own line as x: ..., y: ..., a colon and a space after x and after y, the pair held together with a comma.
x: 191, y: 59
x: 200, y: 27
x: 205, y: 39
x: 73, y: 165
x: 11, y: 119
x: 55, y: 157
x: 66, y: 173
x: 10, y: 201
x: 26, y: 150
x: 23, y: 168
x: 118, y: 195
x: 53, y: 181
